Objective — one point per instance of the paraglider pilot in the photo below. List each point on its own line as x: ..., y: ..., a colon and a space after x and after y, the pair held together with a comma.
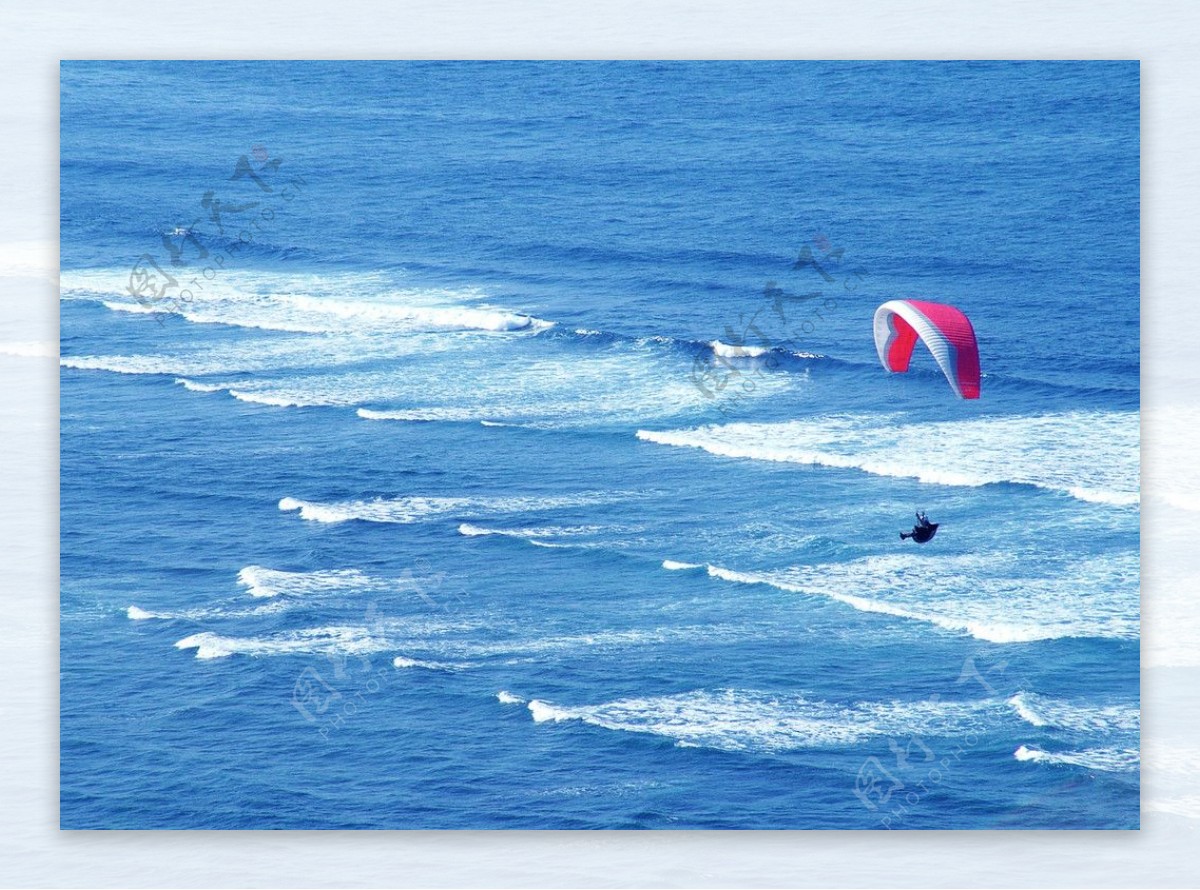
x: 923, y: 531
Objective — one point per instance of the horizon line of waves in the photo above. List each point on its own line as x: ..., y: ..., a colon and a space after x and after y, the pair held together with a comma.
x: 407, y: 510
x: 1111, y: 759
x: 757, y: 722
x: 1092, y: 598
x: 1090, y: 455
x: 1043, y: 711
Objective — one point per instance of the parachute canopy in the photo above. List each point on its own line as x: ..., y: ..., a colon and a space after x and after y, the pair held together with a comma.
x: 944, y: 329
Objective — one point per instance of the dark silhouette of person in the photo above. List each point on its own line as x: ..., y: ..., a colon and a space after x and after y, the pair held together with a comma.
x: 923, y: 531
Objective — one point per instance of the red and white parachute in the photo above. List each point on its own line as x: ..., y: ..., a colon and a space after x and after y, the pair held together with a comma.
x: 944, y: 329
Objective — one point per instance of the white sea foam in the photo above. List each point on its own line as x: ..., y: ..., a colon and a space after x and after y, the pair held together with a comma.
x: 726, y: 350
x: 309, y: 304
x: 507, y: 698
x: 264, y: 582
x: 135, y: 613
x: 1039, y: 710
x: 987, y: 597
x: 1104, y: 759
x: 751, y: 721
x: 673, y: 566
x: 552, y: 531
x: 452, y: 414
x: 324, y: 640
x: 195, y: 386
x: 1092, y: 456
x: 416, y: 509
x: 401, y: 662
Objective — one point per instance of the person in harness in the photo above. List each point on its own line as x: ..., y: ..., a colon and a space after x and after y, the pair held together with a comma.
x: 923, y: 531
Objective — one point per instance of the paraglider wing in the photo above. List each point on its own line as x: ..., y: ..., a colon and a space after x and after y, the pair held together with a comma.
x: 944, y: 329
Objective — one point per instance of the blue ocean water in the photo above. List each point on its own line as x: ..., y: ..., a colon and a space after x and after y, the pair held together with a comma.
x: 503, y: 445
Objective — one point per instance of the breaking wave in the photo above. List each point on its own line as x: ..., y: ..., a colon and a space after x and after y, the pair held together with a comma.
x: 416, y: 509
x: 264, y: 582
x: 751, y: 721
x: 1092, y: 456
x: 1103, y: 759
x: 1095, y: 597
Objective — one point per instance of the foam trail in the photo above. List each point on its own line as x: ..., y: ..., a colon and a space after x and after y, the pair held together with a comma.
x: 1103, y: 759
x: 401, y: 662
x: 407, y: 510
x: 1041, y: 711
x: 1095, y: 597
x: 1092, y: 456
x: 673, y: 566
x: 195, y: 386
x: 264, y: 582
x: 324, y: 641
x: 726, y: 350
x: 313, y: 304
x: 507, y: 698
x: 418, y: 415
x: 756, y: 722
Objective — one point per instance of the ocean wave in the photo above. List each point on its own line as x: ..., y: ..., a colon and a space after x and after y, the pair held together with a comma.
x: 1103, y: 759
x: 260, y: 354
x: 673, y: 566
x: 1042, y: 711
x: 451, y: 414
x: 319, y: 641
x: 1093, y: 456
x: 507, y: 698
x: 758, y: 722
x: 135, y: 613
x: 312, y: 304
x: 382, y: 635
x: 1096, y: 597
x: 416, y: 509
x: 550, y: 531
x: 264, y: 582
x: 725, y: 350
x: 402, y: 662
x: 323, y: 315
